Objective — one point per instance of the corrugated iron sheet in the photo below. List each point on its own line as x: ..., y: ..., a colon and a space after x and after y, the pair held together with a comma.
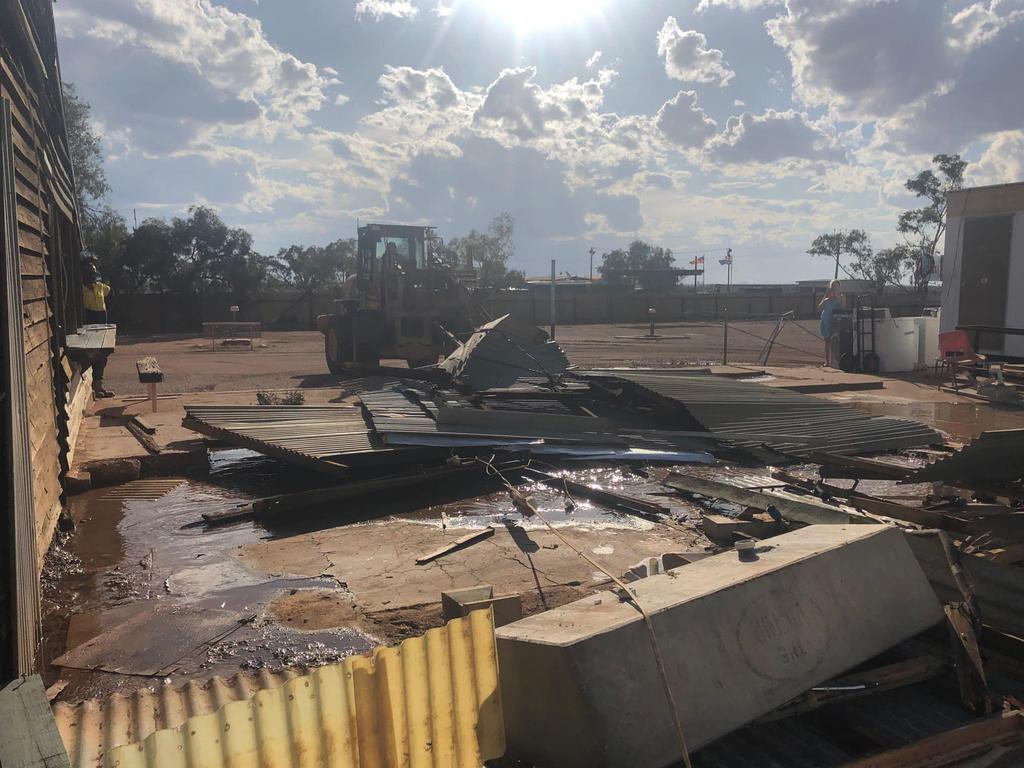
x: 321, y: 436
x: 996, y: 456
x: 432, y: 701
x: 501, y: 352
x: 786, y: 421
x: 92, y: 728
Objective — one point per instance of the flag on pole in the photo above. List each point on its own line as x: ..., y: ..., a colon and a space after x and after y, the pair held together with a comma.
x: 728, y: 257
x: 697, y: 261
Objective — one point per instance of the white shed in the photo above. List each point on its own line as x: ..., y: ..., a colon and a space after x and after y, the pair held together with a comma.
x: 983, y: 264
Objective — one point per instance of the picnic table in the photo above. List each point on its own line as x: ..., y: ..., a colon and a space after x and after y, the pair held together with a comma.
x: 91, y: 342
x: 232, y: 329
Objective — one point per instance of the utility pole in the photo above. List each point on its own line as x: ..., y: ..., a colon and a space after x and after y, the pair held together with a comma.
x: 592, y: 252
x: 552, y: 298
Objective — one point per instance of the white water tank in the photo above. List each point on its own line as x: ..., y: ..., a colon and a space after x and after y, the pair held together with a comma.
x: 927, y: 340
x: 896, y: 342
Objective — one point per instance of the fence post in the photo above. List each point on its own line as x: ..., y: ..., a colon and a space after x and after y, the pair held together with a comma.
x: 725, y: 339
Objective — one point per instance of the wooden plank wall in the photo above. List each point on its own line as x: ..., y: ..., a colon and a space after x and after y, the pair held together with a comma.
x: 35, y: 184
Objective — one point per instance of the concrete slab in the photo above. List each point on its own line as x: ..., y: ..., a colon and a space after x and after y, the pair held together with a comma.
x: 580, y: 684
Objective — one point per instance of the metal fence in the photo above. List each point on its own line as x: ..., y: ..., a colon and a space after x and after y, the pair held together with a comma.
x: 177, y: 313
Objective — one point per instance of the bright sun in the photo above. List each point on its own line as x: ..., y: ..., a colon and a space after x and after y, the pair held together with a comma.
x: 525, y: 15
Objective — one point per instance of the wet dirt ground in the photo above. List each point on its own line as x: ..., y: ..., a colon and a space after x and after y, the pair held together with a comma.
x: 140, y: 589
x: 284, y: 359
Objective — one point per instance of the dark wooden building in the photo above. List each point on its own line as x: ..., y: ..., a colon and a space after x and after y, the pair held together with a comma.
x: 39, y: 250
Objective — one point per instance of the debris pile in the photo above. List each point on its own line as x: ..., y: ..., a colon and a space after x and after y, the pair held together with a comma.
x: 845, y: 588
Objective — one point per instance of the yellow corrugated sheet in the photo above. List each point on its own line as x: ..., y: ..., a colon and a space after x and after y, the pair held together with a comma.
x: 432, y: 701
x: 90, y: 729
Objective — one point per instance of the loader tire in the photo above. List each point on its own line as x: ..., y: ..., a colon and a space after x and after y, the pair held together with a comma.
x: 336, y: 344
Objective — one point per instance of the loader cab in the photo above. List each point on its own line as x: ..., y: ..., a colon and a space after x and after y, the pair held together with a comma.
x: 386, y: 247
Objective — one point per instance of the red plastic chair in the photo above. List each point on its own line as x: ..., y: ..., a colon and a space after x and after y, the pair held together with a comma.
x: 955, y: 351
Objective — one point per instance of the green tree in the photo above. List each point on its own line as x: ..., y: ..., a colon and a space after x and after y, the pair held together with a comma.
x: 628, y: 267
x: 923, y: 228
x: 881, y: 268
x: 86, y: 149
x: 490, y: 251
x: 854, y: 244
x: 320, y: 268
x: 212, y: 257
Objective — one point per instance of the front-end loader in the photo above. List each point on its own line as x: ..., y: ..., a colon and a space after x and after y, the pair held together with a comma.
x: 403, y: 302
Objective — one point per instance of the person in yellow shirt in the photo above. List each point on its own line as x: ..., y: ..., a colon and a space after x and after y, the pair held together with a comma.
x: 94, y: 301
x: 94, y: 295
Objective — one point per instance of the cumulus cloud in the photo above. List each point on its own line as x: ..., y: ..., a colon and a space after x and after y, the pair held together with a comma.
x: 688, y: 58
x: 981, y: 99
x: 379, y: 9
x: 683, y: 122
x: 432, y: 85
x: 518, y: 105
x: 746, y: 5
x: 170, y: 75
x: 978, y: 23
x: 865, y: 59
x: 1001, y: 162
x: 771, y: 137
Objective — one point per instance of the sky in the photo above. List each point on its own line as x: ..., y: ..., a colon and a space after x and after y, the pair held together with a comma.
x: 697, y: 125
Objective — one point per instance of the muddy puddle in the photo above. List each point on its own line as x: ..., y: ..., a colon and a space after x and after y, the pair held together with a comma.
x: 139, y: 593
x: 962, y: 420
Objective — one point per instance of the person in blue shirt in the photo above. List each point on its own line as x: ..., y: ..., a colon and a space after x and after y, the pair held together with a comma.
x: 830, y: 302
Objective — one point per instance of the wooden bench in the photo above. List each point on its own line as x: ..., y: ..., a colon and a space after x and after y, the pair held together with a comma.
x: 232, y: 330
x: 150, y: 375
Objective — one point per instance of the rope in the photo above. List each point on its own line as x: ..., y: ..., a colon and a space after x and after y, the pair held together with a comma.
x: 521, y: 502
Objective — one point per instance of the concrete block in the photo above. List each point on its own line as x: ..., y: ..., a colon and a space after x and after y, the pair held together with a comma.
x: 580, y: 685
x: 457, y: 603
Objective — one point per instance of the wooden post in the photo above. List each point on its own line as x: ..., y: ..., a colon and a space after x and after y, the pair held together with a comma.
x: 725, y: 340
x: 552, y: 318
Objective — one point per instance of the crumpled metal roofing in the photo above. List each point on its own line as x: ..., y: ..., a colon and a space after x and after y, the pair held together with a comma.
x: 307, y: 434
x: 501, y: 352
x: 786, y: 421
x: 997, y: 456
x: 91, y: 729
x: 432, y: 701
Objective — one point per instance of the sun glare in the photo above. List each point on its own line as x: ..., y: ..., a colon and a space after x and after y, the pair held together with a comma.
x: 525, y: 15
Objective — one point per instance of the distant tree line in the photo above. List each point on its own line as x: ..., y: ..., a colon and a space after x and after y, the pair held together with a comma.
x: 914, y: 260
x: 199, y: 253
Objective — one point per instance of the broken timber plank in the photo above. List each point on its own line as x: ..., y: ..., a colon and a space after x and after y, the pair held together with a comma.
x: 950, y: 747
x: 857, y: 467
x: 792, y: 507
x: 998, y: 589
x: 459, y: 543
x: 144, y: 425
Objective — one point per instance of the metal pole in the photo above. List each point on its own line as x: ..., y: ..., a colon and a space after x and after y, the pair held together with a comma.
x: 725, y: 340
x: 552, y: 298
x: 592, y: 252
